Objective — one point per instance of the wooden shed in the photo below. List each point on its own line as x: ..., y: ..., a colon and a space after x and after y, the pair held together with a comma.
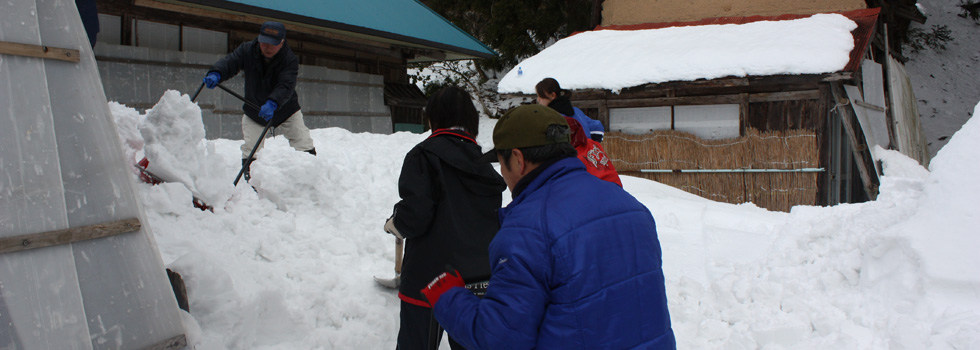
x: 773, y: 140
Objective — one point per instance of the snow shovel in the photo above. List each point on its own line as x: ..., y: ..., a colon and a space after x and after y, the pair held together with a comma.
x: 394, y: 282
x: 248, y: 161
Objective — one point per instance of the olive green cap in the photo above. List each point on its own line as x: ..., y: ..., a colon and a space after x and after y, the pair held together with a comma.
x: 524, y: 126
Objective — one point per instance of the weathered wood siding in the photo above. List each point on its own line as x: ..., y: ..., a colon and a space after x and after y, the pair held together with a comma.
x: 625, y: 12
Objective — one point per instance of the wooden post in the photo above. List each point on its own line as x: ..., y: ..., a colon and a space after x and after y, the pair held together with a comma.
x: 847, y: 119
x: 50, y: 238
x: 40, y: 51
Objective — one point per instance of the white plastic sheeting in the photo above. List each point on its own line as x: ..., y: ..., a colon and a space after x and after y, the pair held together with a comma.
x: 61, y: 167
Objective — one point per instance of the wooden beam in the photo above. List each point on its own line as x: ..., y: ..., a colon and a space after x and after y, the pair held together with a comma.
x: 785, y: 96
x: 39, y: 51
x: 675, y: 101
x: 51, y: 238
x: 847, y: 119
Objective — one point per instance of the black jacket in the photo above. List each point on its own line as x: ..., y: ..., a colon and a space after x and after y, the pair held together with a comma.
x: 275, y: 80
x: 447, y: 211
x: 563, y: 105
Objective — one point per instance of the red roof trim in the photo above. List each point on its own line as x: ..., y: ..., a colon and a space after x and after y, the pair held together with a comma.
x: 865, y: 19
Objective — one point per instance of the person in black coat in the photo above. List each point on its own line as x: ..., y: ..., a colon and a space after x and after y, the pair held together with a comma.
x: 270, y: 84
x: 447, y: 213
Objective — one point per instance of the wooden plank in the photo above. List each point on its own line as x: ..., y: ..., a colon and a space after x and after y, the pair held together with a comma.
x: 743, y: 113
x: 847, y: 119
x: 39, y: 51
x: 51, y: 238
x: 675, y: 101
x: 785, y: 96
x: 176, y: 342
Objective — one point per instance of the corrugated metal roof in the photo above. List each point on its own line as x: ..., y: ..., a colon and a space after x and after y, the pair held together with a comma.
x: 402, y: 20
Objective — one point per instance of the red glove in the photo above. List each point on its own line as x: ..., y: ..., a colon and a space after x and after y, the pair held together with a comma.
x: 441, y: 284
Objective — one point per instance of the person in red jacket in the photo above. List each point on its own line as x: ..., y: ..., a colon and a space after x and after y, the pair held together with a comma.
x: 592, y: 154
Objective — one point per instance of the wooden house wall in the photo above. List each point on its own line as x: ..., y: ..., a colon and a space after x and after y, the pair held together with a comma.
x: 778, y: 106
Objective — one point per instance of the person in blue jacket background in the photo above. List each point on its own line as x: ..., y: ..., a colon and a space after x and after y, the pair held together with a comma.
x: 550, y: 93
x: 576, y: 263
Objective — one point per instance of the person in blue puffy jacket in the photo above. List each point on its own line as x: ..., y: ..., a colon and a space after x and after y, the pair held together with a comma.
x: 550, y: 93
x: 576, y: 263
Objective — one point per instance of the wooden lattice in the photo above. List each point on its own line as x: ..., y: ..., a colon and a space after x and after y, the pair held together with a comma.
x: 675, y: 150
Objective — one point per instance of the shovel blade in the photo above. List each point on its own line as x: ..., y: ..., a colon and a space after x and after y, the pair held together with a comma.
x: 392, y: 283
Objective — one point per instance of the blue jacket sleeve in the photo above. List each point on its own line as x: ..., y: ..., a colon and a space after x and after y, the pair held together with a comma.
x: 589, y: 125
x: 596, y: 127
x: 509, y: 315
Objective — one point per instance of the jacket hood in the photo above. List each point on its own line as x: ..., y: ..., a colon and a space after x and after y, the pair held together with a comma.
x: 464, y: 161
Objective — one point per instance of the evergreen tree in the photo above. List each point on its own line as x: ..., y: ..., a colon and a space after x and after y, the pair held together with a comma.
x: 516, y: 29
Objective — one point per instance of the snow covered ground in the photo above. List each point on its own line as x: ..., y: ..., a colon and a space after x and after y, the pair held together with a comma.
x: 290, y: 264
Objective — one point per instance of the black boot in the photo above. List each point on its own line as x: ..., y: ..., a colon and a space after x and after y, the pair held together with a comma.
x: 245, y: 165
x: 312, y: 151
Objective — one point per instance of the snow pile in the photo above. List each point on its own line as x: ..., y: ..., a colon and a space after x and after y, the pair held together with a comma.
x: 289, y: 265
x: 616, y: 59
x: 173, y: 132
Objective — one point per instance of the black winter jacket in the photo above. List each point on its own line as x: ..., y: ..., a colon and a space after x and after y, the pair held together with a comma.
x: 275, y: 80
x: 447, y: 212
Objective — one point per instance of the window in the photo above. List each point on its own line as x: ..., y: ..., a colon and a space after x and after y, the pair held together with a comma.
x: 203, y: 40
x: 166, y: 36
x: 705, y: 121
x: 709, y: 122
x: 639, y: 120
x: 110, y: 30
x: 156, y: 35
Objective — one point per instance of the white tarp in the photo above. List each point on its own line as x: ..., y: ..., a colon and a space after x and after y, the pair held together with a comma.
x: 61, y: 167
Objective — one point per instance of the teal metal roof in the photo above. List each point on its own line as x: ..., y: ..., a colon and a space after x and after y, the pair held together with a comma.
x: 401, y: 20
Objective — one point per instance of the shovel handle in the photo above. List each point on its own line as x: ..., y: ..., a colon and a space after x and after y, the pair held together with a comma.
x: 198, y: 92
x: 399, y: 251
x: 248, y: 161
x: 247, y: 102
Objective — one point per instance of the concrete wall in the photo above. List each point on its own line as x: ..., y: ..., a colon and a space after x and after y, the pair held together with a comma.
x: 623, y: 12
x: 138, y: 76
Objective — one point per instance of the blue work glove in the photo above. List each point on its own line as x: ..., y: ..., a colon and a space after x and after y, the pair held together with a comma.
x: 212, y: 80
x: 268, y: 110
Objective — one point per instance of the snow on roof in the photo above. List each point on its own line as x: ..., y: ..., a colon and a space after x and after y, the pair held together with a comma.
x: 618, y: 59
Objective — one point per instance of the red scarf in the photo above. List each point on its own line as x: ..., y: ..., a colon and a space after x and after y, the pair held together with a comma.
x: 459, y: 133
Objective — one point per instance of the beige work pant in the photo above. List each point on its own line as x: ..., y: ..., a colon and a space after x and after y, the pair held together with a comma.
x: 294, y: 129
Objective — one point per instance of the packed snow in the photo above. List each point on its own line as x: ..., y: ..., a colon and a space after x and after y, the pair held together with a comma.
x: 290, y: 263
x: 617, y: 59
